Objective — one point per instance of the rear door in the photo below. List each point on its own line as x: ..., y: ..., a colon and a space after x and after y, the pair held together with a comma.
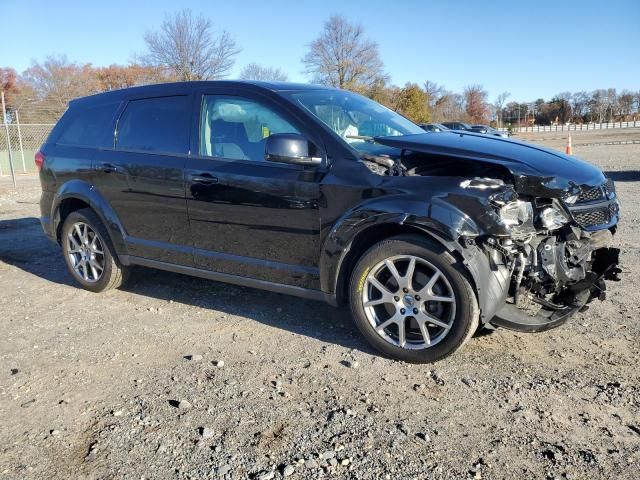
x: 142, y: 177
x: 250, y: 217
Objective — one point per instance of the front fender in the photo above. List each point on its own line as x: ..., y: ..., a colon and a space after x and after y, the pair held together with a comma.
x: 87, y: 193
x: 437, y: 220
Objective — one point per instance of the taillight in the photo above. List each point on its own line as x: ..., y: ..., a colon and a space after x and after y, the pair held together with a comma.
x: 39, y: 159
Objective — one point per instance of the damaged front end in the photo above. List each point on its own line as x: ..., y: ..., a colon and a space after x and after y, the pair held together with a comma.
x: 557, y: 264
x: 558, y: 251
x: 543, y: 223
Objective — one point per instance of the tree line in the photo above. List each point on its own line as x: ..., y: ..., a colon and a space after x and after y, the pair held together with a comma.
x: 187, y: 47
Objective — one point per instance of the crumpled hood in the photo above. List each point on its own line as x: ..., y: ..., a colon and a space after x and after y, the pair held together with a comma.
x: 536, y: 170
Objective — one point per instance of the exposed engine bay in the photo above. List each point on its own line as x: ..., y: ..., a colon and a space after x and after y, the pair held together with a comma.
x: 554, y: 242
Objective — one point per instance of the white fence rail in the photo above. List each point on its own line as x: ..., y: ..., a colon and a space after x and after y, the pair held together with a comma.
x: 575, y: 127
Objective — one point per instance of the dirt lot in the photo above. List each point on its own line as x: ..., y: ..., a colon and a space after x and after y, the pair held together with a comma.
x: 102, y: 386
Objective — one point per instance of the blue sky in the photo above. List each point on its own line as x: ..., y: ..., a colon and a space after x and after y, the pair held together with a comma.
x: 532, y: 49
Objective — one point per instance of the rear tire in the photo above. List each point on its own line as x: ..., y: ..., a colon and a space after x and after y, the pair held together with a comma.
x: 89, y: 254
x: 420, y: 313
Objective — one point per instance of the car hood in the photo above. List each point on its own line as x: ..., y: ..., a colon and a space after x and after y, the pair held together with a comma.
x: 536, y: 170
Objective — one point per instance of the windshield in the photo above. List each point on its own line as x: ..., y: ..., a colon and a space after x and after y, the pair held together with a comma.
x: 355, y: 118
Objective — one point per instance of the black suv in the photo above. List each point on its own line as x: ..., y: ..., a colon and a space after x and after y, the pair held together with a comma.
x: 327, y: 195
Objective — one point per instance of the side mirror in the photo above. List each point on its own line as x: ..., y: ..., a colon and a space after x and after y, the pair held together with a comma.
x: 289, y: 148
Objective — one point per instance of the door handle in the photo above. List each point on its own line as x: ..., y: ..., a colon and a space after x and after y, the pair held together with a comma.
x: 204, y: 179
x: 106, y: 167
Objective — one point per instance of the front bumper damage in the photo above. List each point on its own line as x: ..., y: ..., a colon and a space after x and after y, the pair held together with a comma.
x: 565, y: 287
x: 533, y: 227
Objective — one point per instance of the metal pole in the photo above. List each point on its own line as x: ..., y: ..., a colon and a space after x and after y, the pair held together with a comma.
x: 24, y: 165
x: 6, y: 126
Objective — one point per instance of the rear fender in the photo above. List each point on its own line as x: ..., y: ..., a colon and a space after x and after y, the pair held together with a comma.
x: 84, y: 191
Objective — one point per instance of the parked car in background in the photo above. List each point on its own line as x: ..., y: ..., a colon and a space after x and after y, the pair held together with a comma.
x: 457, y: 126
x: 432, y: 127
x: 487, y: 130
x: 327, y: 195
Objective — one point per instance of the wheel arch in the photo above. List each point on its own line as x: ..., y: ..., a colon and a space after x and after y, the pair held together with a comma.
x: 374, y: 234
x: 76, y: 195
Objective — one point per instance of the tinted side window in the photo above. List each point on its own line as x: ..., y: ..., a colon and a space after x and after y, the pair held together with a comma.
x: 159, y: 124
x: 89, y: 126
x: 238, y: 129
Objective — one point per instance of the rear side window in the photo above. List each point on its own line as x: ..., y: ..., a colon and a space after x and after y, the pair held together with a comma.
x: 89, y: 126
x: 155, y: 125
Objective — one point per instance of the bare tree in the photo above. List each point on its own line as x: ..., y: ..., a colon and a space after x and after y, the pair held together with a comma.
x: 56, y: 80
x: 625, y: 104
x: 342, y: 57
x: 450, y: 107
x: 435, y: 92
x: 598, y: 105
x: 188, y: 47
x: 499, y: 104
x: 254, y: 71
x: 579, y: 105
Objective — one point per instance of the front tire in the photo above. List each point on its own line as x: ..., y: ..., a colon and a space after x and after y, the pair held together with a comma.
x: 412, y: 300
x: 88, y: 252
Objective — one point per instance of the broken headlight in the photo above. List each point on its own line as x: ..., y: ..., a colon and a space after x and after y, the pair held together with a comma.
x: 517, y: 216
x: 552, y: 218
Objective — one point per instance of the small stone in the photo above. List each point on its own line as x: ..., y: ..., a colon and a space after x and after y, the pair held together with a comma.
x: 310, y: 463
x: 223, y: 470
x: 194, y: 358
x: 184, y: 404
x: 266, y: 476
x: 344, y: 462
x: 467, y: 381
x: 55, y: 433
x: 14, y: 371
x: 328, y: 455
x: 351, y: 363
x: 218, y: 363
x: 206, y: 433
x: 423, y: 436
x: 288, y: 470
x: 117, y: 413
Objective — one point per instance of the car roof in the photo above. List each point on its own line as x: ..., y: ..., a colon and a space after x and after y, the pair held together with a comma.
x: 160, y: 89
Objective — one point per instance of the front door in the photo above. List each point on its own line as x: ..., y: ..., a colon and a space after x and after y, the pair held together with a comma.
x: 250, y: 217
x: 143, y: 177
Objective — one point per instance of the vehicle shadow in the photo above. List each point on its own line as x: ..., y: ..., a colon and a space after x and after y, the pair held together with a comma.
x: 623, y: 175
x: 24, y: 245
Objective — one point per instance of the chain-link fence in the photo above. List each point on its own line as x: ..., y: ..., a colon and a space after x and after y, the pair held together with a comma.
x: 24, y: 141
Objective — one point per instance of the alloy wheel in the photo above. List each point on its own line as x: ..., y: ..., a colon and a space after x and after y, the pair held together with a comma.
x: 409, y: 302
x: 85, y: 252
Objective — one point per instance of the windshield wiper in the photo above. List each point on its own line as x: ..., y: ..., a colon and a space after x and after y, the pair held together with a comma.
x: 366, y: 138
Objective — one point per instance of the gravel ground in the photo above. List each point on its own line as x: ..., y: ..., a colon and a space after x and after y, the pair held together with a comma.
x: 178, y: 377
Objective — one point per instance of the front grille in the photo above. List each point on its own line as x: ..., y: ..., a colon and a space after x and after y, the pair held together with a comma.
x: 593, y: 217
x: 590, y: 195
x: 595, y: 206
